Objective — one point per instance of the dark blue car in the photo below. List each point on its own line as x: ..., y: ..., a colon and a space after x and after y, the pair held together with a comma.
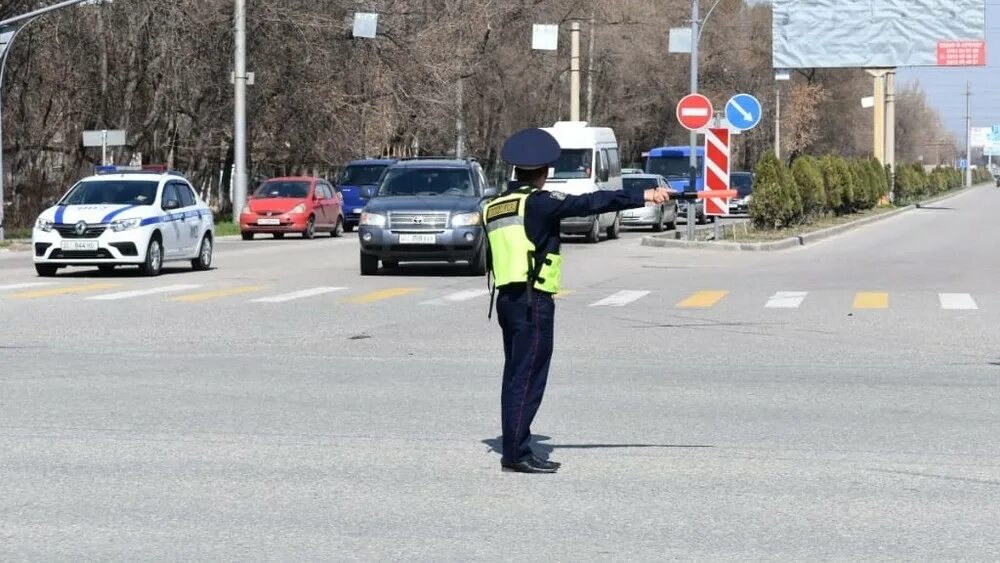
x: 357, y: 184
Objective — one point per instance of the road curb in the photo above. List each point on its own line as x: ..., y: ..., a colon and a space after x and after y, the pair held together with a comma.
x: 662, y: 241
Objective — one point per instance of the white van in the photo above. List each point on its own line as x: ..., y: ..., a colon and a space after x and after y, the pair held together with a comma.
x: 590, y: 161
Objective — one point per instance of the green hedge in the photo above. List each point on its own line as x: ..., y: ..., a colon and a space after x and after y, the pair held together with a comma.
x: 815, y: 187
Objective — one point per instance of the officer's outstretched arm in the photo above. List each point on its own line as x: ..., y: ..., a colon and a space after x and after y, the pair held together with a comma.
x: 558, y: 205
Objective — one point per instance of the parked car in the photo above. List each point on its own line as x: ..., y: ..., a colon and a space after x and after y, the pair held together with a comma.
x: 742, y: 182
x: 301, y: 204
x: 426, y: 210
x: 658, y: 216
x: 356, y: 183
x: 125, y: 216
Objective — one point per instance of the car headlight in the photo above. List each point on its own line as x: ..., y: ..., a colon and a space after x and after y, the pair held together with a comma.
x: 43, y: 225
x: 125, y: 224
x: 465, y: 219
x: 372, y: 219
x: 300, y: 208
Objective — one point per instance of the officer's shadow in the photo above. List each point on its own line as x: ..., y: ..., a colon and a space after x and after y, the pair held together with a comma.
x: 542, y: 449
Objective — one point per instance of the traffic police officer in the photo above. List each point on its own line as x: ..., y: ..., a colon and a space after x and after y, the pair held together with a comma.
x: 522, y: 227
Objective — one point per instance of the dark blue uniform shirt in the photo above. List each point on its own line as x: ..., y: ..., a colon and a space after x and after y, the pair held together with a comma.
x: 545, y: 209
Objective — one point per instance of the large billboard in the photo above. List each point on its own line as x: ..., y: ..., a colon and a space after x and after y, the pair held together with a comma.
x: 878, y: 33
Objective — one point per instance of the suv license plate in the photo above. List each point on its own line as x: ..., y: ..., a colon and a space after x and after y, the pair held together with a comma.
x: 79, y: 245
x: 417, y: 239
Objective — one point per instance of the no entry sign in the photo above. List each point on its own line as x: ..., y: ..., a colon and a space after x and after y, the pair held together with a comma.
x: 694, y: 111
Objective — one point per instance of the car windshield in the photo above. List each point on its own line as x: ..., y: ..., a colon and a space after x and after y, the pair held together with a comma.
x: 361, y: 175
x: 673, y: 166
x: 639, y: 183
x: 742, y: 184
x: 574, y: 164
x: 271, y: 189
x: 112, y: 192
x: 426, y: 181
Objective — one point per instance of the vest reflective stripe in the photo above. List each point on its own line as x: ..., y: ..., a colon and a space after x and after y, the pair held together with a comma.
x: 511, y: 249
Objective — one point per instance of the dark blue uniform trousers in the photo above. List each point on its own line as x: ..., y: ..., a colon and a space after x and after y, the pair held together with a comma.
x: 527, y: 346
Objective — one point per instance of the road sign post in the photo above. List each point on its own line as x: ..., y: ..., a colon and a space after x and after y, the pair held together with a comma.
x: 694, y: 112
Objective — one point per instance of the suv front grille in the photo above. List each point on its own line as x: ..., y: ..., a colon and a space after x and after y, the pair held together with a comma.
x: 69, y: 231
x: 430, y: 221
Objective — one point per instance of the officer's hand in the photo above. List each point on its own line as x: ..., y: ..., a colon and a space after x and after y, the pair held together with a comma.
x: 657, y: 195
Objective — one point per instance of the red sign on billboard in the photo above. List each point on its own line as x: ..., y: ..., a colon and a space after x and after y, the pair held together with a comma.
x: 716, y: 171
x: 961, y: 53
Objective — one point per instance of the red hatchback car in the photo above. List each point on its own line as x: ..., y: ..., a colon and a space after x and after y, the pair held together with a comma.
x: 301, y: 205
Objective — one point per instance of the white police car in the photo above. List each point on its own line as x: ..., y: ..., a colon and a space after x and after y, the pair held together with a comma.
x: 142, y: 216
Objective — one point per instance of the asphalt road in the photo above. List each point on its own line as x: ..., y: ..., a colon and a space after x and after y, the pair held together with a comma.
x: 831, y: 402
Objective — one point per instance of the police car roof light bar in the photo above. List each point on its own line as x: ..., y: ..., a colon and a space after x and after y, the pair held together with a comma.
x: 146, y: 169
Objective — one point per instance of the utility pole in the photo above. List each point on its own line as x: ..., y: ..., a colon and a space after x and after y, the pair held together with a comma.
x: 968, y: 134
x: 693, y: 160
x: 777, y: 123
x: 574, y: 67
x: 240, y: 110
x: 590, y: 64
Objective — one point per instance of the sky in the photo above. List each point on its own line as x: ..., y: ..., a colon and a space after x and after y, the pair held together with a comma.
x: 945, y: 87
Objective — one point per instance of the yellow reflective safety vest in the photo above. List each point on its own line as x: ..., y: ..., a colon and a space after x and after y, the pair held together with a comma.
x: 513, y: 254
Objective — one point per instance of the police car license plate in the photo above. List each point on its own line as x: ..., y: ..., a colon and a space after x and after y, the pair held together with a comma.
x: 417, y: 239
x: 79, y: 245
x: 268, y: 221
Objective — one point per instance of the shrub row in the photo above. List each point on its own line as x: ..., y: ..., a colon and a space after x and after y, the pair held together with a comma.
x: 814, y: 187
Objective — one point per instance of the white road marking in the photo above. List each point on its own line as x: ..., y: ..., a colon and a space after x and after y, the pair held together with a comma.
x: 957, y: 301
x: 13, y: 286
x: 143, y: 292
x: 786, y: 300
x: 620, y: 299
x: 303, y: 294
x: 457, y: 297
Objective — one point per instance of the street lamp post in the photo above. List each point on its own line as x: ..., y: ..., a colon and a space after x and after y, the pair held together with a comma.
x: 9, y: 29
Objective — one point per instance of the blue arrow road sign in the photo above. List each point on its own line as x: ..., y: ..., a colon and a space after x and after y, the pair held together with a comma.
x: 743, y: 111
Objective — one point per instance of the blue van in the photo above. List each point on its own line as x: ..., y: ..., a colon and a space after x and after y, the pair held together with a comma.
x: 356, y: 184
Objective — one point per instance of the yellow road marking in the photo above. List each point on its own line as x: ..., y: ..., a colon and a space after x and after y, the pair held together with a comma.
x: 56, y: 291
x: 703, y: 300
x: 871, y: 300
x: 382, y: 295
x: 217, y: 294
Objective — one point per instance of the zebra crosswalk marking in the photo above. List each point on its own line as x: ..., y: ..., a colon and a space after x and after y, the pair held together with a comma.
x: 786, y: 300
x: 620, y: 299
x: 142, y: 292
x: 68, y: 290
x: 703, y: 300
x: 871, y: 300
x: 295, y: 295
x: 957, y: 302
